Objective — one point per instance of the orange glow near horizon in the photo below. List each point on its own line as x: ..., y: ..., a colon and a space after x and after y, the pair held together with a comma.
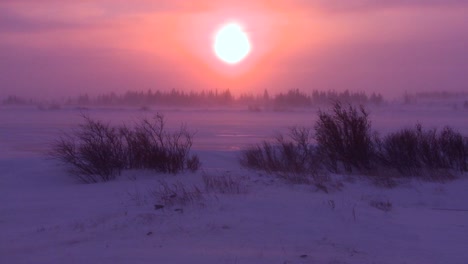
x: 272, y: 35
x: 183, y: 44
x: 105, y: 45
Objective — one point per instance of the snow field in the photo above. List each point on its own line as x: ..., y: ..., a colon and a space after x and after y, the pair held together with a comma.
x: 46, y: 217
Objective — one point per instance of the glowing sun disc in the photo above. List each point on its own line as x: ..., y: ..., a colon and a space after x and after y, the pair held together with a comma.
x: 231, y: 44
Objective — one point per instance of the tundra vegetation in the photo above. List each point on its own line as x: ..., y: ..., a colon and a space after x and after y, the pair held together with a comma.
x: 342, y: 141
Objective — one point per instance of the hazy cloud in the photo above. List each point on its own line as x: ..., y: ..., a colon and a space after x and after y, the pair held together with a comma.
x: 12, y: 22
x: 53, y: 73
x: 373, y: 5
x: 32, y: 15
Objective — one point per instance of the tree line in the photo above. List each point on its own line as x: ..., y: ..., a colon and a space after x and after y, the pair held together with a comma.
x: 291, y: 98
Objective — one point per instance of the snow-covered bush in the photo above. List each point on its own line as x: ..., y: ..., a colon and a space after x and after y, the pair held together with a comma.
x: 344, y: 138
x: 99, y: 152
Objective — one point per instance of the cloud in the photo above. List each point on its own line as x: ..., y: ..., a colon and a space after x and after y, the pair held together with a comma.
x: 11, y: 22
x: 29, y: 16
x: 24, y: 16
x: 33, y: 15
x: 426, y: 62
x: 61, y: 72
x: 376, y: 5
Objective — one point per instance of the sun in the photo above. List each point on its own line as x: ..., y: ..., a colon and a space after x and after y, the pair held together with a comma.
x: 232, y: 44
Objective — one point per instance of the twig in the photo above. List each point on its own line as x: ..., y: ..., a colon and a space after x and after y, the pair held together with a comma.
x: 354, y: 213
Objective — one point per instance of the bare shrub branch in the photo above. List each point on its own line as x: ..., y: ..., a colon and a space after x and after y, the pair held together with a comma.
x: 150, y: 146
x: 344, y: 138
x: 93, y: 153
x: 98, y: 152
x: 419, y: 152
x: 292, y: 154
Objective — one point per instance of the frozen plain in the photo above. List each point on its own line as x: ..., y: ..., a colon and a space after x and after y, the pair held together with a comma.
x: 47, y: 217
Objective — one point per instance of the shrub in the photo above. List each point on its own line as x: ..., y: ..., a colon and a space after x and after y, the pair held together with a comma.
x: 400, y: 151
x: 98, y: 152
x: 193, y: 163
x: 93, y: 153
x: 412, y: 151
x: 294, y: 154
x: 150, y: 146
x: 344, y: 138
x: 454, y: 148
x: 293, y: 159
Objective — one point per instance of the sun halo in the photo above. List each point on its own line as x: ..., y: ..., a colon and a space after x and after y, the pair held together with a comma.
x: 232, y: 44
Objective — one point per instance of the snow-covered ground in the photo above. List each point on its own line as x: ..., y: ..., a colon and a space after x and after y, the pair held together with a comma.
x: 46, y: 217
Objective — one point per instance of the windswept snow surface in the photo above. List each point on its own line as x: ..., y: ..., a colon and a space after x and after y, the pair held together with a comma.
x: 47, y: 217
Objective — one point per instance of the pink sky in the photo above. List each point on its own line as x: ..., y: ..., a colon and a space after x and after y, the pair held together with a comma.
x: 53, y: 48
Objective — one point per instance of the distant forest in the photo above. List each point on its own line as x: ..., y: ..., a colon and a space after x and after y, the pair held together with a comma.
x: 411, y: 98
x: 289, y: 99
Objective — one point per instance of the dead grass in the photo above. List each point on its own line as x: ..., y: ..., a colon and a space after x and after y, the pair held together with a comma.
x: 176, y: 194
x: 225, y: 184
x: 385, y: 206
